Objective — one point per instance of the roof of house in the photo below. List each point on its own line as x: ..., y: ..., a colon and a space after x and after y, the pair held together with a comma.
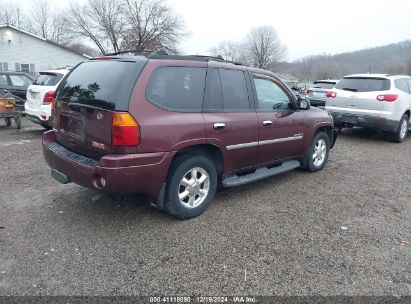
x: 41, y: 38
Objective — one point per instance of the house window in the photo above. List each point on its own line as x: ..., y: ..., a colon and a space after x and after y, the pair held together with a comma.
x: 5, y: 66
x: 17, y: 67
x: 24, y: 67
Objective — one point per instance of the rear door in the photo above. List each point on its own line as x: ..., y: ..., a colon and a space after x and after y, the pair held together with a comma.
x: 231, y: 120
x: 280, y: 126
x: 86, y: 100
x: 19, y: 84
x: 359, y: 95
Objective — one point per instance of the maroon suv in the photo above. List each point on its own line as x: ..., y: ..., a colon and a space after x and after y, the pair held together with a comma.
x: 176, y: 127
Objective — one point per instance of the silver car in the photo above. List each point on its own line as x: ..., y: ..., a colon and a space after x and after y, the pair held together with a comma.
x: 316, y: 93
x: 378, y: 101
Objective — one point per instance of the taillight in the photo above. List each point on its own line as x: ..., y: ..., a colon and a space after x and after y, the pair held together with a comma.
x: 387, y: 97
x: 331, y: 94
x: 48, y: 98
x: 125, y: 130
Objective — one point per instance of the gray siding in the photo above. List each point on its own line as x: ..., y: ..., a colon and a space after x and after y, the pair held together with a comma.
x: 26, y: 49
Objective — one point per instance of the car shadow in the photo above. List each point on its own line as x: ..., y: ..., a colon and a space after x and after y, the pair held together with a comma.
x: 364, y: 133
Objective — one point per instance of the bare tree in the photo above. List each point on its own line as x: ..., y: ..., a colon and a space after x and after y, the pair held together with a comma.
x: 49, y: 23
x: 151, y: 24
x: 233, y: 51
x: 265, y: 47
x: 10, y: 13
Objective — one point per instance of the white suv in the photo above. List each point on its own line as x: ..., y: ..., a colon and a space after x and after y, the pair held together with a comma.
x: 40, y: 96
x: 378, y: 101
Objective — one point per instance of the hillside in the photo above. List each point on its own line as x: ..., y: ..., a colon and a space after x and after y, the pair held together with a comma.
x: 392, y: 58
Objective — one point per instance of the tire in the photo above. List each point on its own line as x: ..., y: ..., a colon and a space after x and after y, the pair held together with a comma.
x: 312, y: 162
x: 18, y: 122
x: 181, y: 177
x: 8, y: 121
x: 399, y: 135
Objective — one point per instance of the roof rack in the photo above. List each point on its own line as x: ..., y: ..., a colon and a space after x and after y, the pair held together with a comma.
x: 193, y: 57
x: 163, y: 54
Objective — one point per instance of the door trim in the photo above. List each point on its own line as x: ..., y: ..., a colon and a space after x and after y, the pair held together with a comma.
x: 265, y: 142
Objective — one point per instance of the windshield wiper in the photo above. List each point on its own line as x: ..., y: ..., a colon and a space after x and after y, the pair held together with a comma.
x: 348, y: 89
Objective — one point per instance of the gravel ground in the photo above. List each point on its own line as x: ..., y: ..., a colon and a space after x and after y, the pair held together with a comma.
x: 343, y: 231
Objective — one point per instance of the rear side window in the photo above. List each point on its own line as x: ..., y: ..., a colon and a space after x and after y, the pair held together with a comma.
x: 363, y: 84
x: 402, y: 85
x: 234, y: 88
x: 106, y: 84
x: 323, y: 85
x: 48, y: 79
x: 3, y: 80
x: 177, y: 88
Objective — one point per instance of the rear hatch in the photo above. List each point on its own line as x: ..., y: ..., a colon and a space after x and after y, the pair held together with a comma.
x: 319, y: 89
x: 87, y: 99
x: 46, y: 82
x: 359, y: 95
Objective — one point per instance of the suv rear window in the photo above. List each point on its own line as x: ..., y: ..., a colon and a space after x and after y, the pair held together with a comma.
x: 363, y: 84
x: 177, y: 88
x: 106, y: 84
x: 48, y: 79
x: 323, y: 85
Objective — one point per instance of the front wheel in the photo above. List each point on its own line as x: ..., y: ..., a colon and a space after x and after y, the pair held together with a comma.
x: 317, y: 154
x: 402, y: 130
x: 191, y: 186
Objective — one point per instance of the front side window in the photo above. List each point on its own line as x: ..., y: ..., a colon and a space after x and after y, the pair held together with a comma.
x: 270, y: 95
x: 20, y: 80
x: 402, y: 85
x: 177, y: 88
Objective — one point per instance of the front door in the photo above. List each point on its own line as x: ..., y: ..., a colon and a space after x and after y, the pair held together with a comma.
x: 280, y: 125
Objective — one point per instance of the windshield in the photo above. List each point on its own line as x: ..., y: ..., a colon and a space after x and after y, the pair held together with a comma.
x: 363, y: 84
x: 106, y: 84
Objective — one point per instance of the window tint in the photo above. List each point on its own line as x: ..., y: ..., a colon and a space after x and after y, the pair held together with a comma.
x: 3, y: 80
x: 270, y: 95
x: 323, y: 85
x: 48, y: 79
x: 363, y: 84
x: 101, y: 83
x: 402, y: 85
x: 20, y: 80
x: 409, y: 83
x: 177, y: 88
x: 213, y: 97
x: 234, y: 88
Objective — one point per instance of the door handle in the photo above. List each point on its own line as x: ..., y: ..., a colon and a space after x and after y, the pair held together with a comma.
x: 267, y: 123
x: 219, y: 126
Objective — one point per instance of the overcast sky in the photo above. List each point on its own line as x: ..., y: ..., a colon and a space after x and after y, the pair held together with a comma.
x: 306, y: 27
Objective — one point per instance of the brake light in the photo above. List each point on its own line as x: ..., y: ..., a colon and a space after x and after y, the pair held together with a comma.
x: 387, y: 97
x: 125, y: 130
x: 48, y: 98
x: 331, y: 94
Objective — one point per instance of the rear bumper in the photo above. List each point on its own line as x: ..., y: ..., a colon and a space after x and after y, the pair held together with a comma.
x: 40, y: 115
x: 367, y: 121
x: 123, y: 173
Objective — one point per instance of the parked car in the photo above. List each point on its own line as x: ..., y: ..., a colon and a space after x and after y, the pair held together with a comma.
x: 40, y: 96
x: 316, y: 93
x: 377, y: 101
x: 175, y: 127
x: 16, y: 83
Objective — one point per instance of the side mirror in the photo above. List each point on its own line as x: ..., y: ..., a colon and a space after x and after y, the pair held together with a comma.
x: 303, y: 104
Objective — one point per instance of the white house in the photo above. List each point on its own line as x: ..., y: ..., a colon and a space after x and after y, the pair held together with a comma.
x: 25, y: 52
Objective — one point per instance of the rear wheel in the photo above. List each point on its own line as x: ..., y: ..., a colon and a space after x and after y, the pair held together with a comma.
x: 402, y: 130
x: 317, y: 154
x: 191, y: 186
